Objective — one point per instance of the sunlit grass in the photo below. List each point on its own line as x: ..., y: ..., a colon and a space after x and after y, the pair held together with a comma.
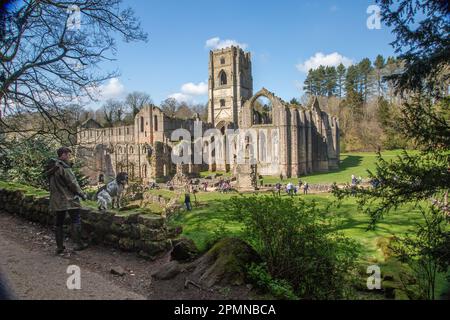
x: 356, y: 163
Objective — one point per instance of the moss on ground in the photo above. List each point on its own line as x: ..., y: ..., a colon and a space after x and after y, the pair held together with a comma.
x: 28, y: 190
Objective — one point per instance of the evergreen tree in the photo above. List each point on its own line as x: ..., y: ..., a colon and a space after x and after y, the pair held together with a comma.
x: 423, y: 39
x: 379, y: 64
x: 295, y: 102
x: 330, y: 81
x: 340, y: 75
x: 425, y: 116
x: 320, y: 81
x: 308, y: 84
x: 352, y: 80
x: 364, y: 70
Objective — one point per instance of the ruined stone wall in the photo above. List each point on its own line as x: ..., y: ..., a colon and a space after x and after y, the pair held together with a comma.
x: 142, y: 149
x: 308, y: 138
x: 146, y: 234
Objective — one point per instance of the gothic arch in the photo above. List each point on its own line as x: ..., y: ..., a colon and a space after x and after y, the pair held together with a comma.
x: 223, y: 78
x: 262, y: 110
x: 274, y: 104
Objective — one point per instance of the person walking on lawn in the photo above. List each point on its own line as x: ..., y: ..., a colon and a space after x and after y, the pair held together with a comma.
x: 65, y: 196
x: 305, y: 188
x: 187, y: 201
x: 278, y: 188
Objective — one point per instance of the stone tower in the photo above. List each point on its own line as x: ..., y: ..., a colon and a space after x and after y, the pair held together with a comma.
x: 230, y: 85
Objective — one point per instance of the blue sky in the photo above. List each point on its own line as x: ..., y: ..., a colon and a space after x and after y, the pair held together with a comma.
x: 285, y: 38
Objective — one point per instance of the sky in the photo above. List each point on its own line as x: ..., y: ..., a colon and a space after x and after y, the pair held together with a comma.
x: 285, y: 37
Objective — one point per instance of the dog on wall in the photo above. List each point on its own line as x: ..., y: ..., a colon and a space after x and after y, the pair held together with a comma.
x: 111, y: 193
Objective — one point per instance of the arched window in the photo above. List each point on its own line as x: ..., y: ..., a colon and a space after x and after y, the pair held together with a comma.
x: 213, y: 152
x: 222, y: 103
x: 142, y: 124
x: 131, y: 170
x: 144, y: 171
x: 262, y: 111
x: 156, y: 123
x: 223, y: 78
x: 222, y: 60
x: 131, y: 149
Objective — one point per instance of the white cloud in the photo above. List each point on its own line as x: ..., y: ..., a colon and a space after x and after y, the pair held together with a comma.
x: 190, y: 91
x: 195, y: 89
x: 331, y: 60
x: 112, y: 90
x: 181, y: 97
x: 216, y: 43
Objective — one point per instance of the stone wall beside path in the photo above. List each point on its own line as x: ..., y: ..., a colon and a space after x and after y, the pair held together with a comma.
x: 146, y: 234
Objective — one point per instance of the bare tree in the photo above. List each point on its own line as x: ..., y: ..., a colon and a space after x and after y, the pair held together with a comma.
x: 137, y: 100
x: 169, y: 106
x: 114, y: 111
x: 201, y: 110
x: 184, y: 111
x: 49, y: 56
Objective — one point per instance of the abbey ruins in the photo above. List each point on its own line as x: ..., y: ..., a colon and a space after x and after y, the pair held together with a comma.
x: 288, y: 140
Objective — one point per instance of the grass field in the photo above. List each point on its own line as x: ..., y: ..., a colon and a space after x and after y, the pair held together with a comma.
x: 201, y: 223
x: 206, y: 219
x: 356, y: 163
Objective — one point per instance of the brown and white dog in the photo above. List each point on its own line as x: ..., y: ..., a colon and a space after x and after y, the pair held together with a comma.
x: 111, y: 193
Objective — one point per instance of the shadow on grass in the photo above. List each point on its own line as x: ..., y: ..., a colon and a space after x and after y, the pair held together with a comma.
x: 348, y: 163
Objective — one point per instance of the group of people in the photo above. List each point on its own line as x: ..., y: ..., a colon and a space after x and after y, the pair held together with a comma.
x: 292, y: 189
x: 356, y: 181
x: 224, y: 186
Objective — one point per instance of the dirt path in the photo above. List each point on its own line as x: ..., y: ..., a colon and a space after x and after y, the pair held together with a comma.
x: 33, y: 271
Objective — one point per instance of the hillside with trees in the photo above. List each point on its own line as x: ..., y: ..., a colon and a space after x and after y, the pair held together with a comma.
x: 363, y: 99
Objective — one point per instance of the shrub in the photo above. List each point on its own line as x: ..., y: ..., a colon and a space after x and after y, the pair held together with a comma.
x: 279, y: 289
x: 427, y: 252
x: 298, y: 244
x: 23, y: 161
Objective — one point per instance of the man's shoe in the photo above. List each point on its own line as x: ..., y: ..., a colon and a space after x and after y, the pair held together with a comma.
x: 60, y: 250
x: 79, y: 244
x: 59, y: 236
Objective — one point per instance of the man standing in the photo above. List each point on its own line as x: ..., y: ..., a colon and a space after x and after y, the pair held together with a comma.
x: 187, y: 201
x: 278, y: 188
x: 65, y: 195
x: 305, y: 188
x: 289, y: 189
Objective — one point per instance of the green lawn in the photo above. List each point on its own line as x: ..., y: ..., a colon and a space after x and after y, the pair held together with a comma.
x: 207, y: 218
x: 356, y: 163
x: 201, y: 223
x: 224, y: 174
x: 165, y: 193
